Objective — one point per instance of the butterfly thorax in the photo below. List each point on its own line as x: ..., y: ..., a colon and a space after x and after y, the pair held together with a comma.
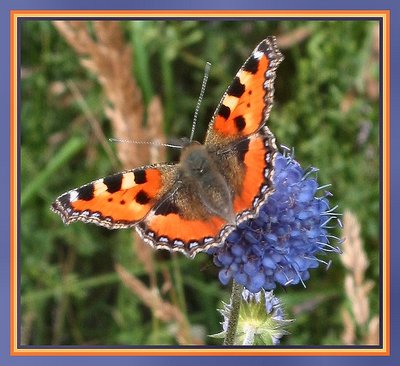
x: 197, y: 169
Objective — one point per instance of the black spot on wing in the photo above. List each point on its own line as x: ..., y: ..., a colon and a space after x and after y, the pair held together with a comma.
x: 251, y: 65
x: 236, y: 89
x: 142, y: 197
x: 240, y: 123
x: 263, y: 47
x: 242, y: 149
x: 65, y: 200
x: 113, y: 182
x: 86, y: 193
x: 224, y: 111
x: 166, y: 208
x: 140, y: 176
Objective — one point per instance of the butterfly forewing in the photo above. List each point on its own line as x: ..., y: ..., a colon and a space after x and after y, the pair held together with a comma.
x: 247, y: 102
x: 117, y: 201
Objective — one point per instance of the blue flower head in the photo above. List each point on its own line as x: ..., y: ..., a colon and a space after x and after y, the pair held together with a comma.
x: 281, y: 244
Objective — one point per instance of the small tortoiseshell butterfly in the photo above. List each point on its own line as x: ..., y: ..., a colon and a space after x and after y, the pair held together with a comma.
x: 193, y: 205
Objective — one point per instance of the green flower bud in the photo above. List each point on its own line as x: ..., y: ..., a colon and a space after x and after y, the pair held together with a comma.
x: 261, y: 320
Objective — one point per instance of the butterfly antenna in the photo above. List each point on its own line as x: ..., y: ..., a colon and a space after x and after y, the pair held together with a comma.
x: 145, y: 143
x: 203, y: 88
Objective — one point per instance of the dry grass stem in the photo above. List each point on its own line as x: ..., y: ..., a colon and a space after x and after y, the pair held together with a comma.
x: 104, y: 52
x: 163, y: 310
x: 107, y: 56
x: 354, y: 258
x: 293, y: 37
x: 155, y: 118
x: 156, y: 153
x: 349, y: 332
x: 370, y: 79
x: 357, y: 288
x: 372, y: 336
x: 95, y: 124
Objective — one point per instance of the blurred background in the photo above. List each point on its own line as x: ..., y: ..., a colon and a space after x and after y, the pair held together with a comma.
x: 83, y: 82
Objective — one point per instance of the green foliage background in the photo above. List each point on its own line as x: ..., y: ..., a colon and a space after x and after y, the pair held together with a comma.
x: 70, y: 292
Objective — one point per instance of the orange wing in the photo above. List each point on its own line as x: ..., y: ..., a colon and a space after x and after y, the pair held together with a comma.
x: 180, y: 222
x: 238, y: 137
x: 164, y: 211
x: 174, y: 232
x: 247, y: 102
x: 117, y: 201
x: 258, y: 154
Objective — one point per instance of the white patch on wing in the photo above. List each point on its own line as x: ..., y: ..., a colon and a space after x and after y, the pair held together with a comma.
x: 128, y: 180
x: 258, y: 54
x: 73, y: 196
x: 99, y: 186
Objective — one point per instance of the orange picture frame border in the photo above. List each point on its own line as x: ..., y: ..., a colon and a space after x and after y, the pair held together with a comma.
x: 383, y: 350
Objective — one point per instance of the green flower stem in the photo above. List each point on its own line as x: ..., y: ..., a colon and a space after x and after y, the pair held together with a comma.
x: 236, y: 299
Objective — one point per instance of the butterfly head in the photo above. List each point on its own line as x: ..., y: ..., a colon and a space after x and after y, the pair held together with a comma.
x: 185, y: 142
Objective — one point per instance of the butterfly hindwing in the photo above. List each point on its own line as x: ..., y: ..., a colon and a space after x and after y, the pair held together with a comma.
x: 181, y: 223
